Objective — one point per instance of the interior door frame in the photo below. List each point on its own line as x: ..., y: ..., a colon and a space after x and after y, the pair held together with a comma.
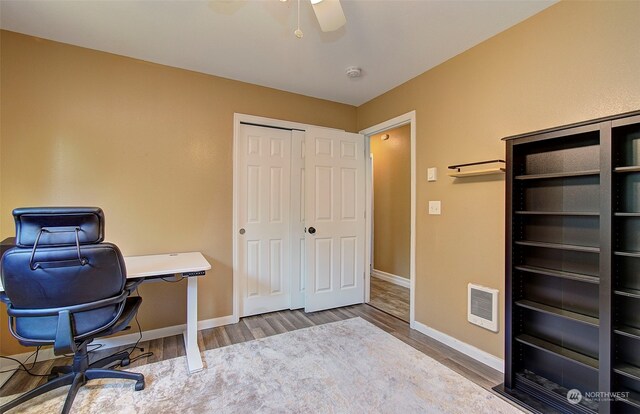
x: 238, y: 119
x: 406, y: 119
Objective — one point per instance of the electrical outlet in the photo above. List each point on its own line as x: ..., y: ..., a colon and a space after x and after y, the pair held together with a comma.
x: 434, y: 207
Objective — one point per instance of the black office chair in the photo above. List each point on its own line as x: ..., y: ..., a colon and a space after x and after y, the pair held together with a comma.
x: 63, y: 286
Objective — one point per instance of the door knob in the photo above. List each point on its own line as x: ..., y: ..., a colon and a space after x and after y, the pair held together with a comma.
x: 242, y: 231
x: 312, y: 230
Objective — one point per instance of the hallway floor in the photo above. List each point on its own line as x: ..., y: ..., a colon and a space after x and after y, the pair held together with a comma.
x: 390, y: 298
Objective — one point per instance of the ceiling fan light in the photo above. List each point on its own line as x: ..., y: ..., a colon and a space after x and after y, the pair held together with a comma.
x: 329, y: 14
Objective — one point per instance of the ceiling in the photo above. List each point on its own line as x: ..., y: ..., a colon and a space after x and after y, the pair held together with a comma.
x: 253, y: 41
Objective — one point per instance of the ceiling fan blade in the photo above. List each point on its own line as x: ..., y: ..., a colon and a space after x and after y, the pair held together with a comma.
x: 329, y: 14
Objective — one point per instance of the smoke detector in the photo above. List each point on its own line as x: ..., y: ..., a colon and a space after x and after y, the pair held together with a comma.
x: 354, y: 72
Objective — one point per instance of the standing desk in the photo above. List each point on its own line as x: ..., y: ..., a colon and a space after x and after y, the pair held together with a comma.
x: 189, y: 265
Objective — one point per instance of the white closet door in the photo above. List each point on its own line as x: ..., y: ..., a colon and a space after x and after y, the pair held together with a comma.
x: 298, y: 270
x: 334, y: 216
x: 263, y: 219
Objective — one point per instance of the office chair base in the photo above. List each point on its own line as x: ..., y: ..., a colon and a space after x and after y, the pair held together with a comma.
x: 77, y: 375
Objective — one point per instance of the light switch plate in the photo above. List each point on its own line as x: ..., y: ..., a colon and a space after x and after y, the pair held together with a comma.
x: 432, y: 174
x: 434, y: 207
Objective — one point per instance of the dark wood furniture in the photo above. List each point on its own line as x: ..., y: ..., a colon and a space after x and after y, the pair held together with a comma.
x: 573, y: 267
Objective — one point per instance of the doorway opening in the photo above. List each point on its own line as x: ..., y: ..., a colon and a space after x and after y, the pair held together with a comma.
x: 391, y: 179
x: 391, y: 225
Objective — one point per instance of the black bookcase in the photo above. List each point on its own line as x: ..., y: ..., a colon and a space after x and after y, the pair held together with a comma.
x: 573, y: 267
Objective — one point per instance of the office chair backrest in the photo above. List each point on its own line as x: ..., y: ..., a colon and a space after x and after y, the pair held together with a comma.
x: 60, y: 260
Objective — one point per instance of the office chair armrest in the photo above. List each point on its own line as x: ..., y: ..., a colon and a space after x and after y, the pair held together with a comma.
x: 133, y: 284
x: 64, y: 343
x: 13, y: 312
x: 4, y: 298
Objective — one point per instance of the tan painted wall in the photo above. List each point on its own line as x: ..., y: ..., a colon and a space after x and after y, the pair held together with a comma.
x: 150, y: 144
x: 574, y: 61
x: 392, y: 201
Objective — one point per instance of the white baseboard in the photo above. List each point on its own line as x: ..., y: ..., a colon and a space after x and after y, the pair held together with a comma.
x: 391, y: 278
x: 161, y: 332
x: 122, y: 340
x: 470, y: 350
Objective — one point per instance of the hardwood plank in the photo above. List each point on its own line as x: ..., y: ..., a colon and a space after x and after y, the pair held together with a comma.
x: 170, y: 346
x: 21, y: 381
x: 265, y: 326
x: 252, y: 322
x: 287, y: 324
x: 480, y: 369
x: 318, y: 318
x: 301, y: 320
x: 246, y: 332
x: 304, y: 317
x: 422, y: 347
x: 343, y: 314
x: 221, y: 336
x: 484, y: 382
x: 156, y: 346
x: 253, y: 325
x: 201, y: 345
x: 135, y: 353
x: 292, y: 319
x: 258, y: 333
x: 235, y: 333
x: 275, y: 324
x: 209, y: 339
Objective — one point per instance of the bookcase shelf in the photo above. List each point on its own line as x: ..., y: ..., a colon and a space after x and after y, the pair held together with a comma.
x: 557, y: 175
x: 632, y: 293
x: 623, y: 214
x: 559, y: 246
x: 558, y: 213
x: 627, y: 370
x: 572, y: 292
x: 634, y: 398
x: 559, y: 351
x: 627, y: 254
x: 628, y: 169
x: 562, y: 313
x: 628, y: 331
x: 559, y: 273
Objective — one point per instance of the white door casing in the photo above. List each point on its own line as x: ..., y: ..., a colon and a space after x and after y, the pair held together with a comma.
x: 335, y: 218
x: 298, y: 270
x: 264, y: 173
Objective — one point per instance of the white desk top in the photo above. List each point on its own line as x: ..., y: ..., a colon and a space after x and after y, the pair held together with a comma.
x: 165, y: 264
x: 162, y: 264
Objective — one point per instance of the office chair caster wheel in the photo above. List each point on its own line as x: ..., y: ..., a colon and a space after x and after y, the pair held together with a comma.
x: 140, y: 385
x: 125, y: 362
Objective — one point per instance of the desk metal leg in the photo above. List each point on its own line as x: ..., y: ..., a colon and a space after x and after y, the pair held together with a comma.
x: 194, y: 361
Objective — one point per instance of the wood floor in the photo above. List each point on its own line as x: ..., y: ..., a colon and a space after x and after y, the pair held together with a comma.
x: 279, y: 322
x: 390, y: 298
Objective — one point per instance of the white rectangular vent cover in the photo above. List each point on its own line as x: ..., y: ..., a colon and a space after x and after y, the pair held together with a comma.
x: 482, y: 307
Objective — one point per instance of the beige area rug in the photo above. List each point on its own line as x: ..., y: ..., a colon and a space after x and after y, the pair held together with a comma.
x: 349, y: 366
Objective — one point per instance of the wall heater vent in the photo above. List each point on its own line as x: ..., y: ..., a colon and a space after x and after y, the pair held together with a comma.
x: 482, y: 307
